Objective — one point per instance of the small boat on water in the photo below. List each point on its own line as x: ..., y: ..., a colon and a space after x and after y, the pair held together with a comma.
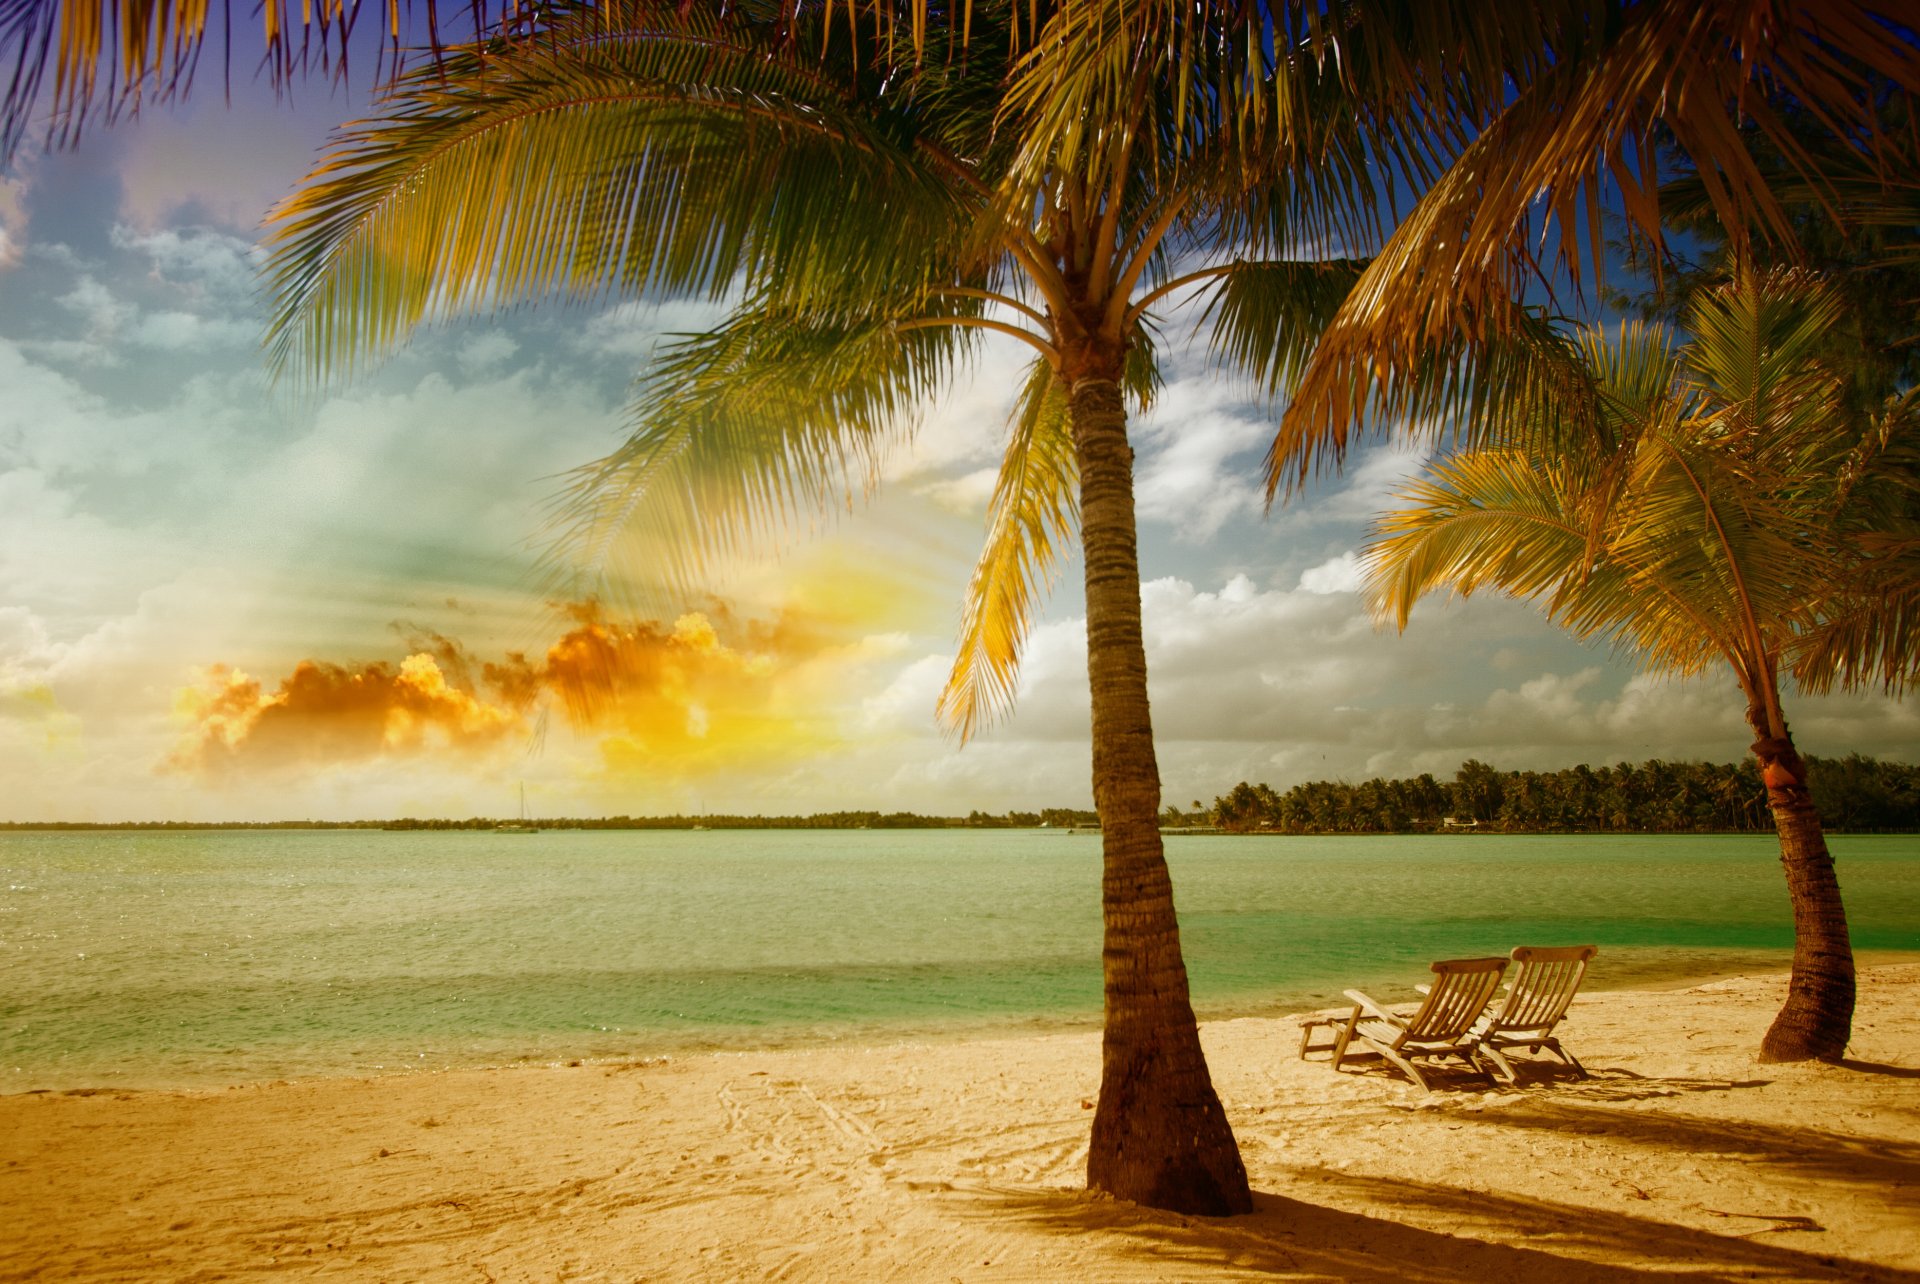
x: 523, y: 825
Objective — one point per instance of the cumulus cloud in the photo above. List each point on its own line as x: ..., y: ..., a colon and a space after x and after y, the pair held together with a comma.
x: 1285, y: 685
x: 200, y: 260
x: 632, y: 332
x: 1336, y: 575
x: 485, y: 352
x: 176, y: 331
x: 102, y: 314
x: 326, y: 713
x: 710, y: 692
x: 1199, y: 462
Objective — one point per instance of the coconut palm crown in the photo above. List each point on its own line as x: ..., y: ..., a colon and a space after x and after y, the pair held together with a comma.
x: 863, y: 200
x: 1698, y: 504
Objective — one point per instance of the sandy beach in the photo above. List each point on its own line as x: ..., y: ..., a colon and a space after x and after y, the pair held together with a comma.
x: 1681, y: 1158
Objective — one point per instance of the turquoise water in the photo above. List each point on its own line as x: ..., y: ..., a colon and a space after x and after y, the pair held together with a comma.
x: 196, y: 958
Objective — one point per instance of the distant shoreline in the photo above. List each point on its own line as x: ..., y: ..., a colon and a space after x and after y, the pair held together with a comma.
x: 483, y: 825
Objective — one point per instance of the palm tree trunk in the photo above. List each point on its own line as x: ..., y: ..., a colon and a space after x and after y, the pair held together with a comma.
x: 1817, y: 1020
x: 1160, y: 1136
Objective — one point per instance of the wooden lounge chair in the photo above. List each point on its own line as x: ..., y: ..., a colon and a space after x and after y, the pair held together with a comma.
x: 1536, y: 1002
x: 1441, y: 1026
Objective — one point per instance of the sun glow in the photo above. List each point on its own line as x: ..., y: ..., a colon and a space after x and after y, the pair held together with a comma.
x: 715, y: 690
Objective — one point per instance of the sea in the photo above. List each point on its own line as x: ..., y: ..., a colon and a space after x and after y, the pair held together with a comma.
x: 201, y: 958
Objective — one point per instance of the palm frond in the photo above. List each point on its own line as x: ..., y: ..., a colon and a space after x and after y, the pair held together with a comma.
x: 1522, y: 379
x: 1488, y: 519
x: 1035, y: 511
x: 1867, y: 633
x: 744, y: 437
x: 1444, y: 279
x: 1716, y: 513
x: 677, y: 161
x: 1267, y: 315
x: 107, y: 58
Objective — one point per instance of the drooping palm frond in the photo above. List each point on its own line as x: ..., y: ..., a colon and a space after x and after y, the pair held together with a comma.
x: 105, y: 58
x: 1469, y: 390
x: 1704, y: 522
x: 1444, y: 279
x: 710, y: 162
x: 1034, y: 512
x: 1278, y: 153
x: 747, y: 435
x: 1267, y: 315
x: 78, y: 62
x: 1868, y: 634
x: 1488, y: 519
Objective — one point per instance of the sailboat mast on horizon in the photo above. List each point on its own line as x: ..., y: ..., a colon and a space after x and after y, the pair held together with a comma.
x: 523, y: 825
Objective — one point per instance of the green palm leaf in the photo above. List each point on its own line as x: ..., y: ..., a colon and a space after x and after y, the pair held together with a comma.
x: 1702, y: 521
x: 746, y: 435
x: 1032, y: 520
x: 712, y: 163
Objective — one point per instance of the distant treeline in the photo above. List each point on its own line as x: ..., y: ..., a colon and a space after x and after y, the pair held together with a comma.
x: 1055, y: 816
x: 1852, y: 793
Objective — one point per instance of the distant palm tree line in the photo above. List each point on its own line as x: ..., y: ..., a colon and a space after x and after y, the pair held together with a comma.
x: 1853, y: 793
x: 1857, y: 793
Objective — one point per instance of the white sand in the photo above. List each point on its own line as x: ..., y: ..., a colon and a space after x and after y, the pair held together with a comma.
x: 1681, y: 1158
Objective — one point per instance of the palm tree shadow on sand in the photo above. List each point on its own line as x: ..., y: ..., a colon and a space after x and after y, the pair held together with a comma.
x: 1289, y: 1237
x: 1502, y: 1236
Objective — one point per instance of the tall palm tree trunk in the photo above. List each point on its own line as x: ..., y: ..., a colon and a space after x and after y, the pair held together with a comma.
x: 1160, y: 1136
x: 1817, y: 1020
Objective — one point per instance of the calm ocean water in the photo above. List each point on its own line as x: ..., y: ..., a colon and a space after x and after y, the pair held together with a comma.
x: 204, y: 958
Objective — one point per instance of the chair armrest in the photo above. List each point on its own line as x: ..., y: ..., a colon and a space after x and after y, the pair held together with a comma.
x: 1371, y: 1007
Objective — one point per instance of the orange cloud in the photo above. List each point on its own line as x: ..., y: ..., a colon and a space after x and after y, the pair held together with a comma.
x: 326, y: 713
x: 710, y: 692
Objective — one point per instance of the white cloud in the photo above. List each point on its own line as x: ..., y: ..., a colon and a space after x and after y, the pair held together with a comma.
x: 631, y: 332
x: 198, y: 259
x: 1285, y: 686
x: 174, y: 331
x: 101, y: 311
x: 1198, y: 464
x: 964, y: 430
x: 968, y: 493
x: 486, y: 352
x: 1340, y: 574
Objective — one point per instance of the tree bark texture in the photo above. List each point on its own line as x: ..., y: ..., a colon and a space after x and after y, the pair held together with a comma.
x: 1817, y: 1020
x: 1160, y: 1136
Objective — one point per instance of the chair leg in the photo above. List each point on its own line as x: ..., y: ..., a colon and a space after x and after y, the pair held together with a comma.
x: 1554, y: 1046
x: 1396, y: 1057
x: 1505, y: 1066
x: 1307, y: 1029
x: 1406, y: 1064
x: 1345, y: 1037
x: 1486, y: 1076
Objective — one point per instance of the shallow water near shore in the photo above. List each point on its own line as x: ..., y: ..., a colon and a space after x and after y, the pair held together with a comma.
x: 201, y: 958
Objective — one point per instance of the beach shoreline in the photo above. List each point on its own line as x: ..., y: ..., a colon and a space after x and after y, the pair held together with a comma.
x: 963, y: 1159
x: 1619, y: 970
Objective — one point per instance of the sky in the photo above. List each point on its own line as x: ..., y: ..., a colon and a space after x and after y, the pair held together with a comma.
x: 221, y: 599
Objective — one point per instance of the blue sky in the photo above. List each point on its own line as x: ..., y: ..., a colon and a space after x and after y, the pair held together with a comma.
x: 222, y: 600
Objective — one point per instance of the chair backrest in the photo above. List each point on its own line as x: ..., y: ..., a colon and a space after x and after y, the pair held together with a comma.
x: 1548, y: 978
x: 1459, y: 994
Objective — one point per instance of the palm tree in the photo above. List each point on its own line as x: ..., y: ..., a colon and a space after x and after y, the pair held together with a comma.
x: 865, y: 201
x: 1691, y: 503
